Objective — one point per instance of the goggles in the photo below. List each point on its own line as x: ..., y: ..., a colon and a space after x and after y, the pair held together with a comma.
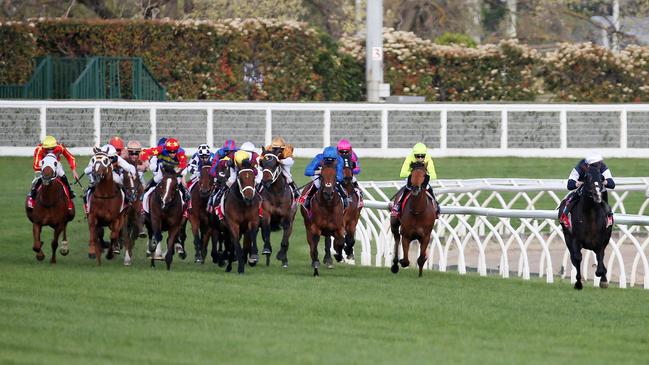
x: 134, y: 153
x: 420, y: 156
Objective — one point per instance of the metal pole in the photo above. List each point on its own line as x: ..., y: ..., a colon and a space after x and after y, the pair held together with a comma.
x: 374, y: 49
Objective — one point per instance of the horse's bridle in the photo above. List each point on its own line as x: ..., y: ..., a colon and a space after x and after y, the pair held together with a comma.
x: 162, y: 197
x: 273, y: 173
x: 244, y: 188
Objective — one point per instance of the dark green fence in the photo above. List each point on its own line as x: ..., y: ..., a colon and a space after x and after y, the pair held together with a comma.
x: 88, y: 78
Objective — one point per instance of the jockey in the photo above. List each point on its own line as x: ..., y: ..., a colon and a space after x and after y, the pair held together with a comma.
x: 284, y: 153
x: 49, y: 145
x: 119, y: 167
x: 419, y: 153
x: 234, y: 164
x: 170, y: 153
x: 576, y: 179
x: 345, y: 151
x: 202, y: 157
x: 328, y: 155
x: 118, y: 143
x: 133, y: 150
x: 254, y: 160
x: 228, y: 149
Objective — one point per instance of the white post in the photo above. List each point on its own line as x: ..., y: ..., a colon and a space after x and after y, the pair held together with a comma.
x: 269, y: 127
x: 443, y: 120
x: 326, y: 133
x: 210, y: 128
x: 504, y: 125
x: 623, y: 131
x: 43, y: 122
x: 96, y: 118
x: 384, y: 129
x: 153, y: 124
x: 615, y: 38
x: 563, y: 129
x: 374, y: 49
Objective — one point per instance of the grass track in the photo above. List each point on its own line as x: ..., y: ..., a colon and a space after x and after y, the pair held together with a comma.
x: 75, y: 312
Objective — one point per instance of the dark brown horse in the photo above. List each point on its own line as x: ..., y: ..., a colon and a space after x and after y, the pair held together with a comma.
x: 416, y: 221
x: 105, y: 206
x: 279, y: 208
x: 166, y: 213
x: 198, y: 217
x: 326, y: 217
x: 590, y: 228
x: 241, y: 210
x: 134, y: 225
x: 50, y: 209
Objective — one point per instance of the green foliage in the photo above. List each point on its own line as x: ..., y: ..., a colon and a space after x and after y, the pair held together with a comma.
x: 459, y: 39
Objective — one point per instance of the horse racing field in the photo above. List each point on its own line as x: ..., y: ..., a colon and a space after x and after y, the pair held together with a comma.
x: 76, y: 312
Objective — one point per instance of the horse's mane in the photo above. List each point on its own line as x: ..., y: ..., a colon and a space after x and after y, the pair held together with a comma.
x: 246, y: 164
x: 417, y: 165
x: 333, y: 163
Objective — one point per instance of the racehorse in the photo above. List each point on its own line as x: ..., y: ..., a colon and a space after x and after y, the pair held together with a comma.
x: 200, y: 194
x: 166, y: 213
x: 220, y: 234
x: 134, y: 225
x: 278, y: 205
x: 325, y: 217
x: 105, y: 205
x: 590, y: 229
x: 241, y: 211
x: 416, y: 222
x: 353, y: 211
x: 50, y: 209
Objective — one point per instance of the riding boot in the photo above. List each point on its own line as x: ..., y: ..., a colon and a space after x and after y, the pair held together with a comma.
x: 127, y: 196
x: 67, y: 184
x: 185, y: 194
x: 396, y: 207
x: 432, y: 194
x: 37, y: 184
x: 305, y: 198
x: 296, y: 192
x: 358, y: 189
x: 343, y: 195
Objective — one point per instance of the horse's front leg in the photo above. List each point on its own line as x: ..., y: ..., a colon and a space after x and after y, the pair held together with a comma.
x: 115, y: 233
x: 313, y: 238
x: 154, y: 244
x: 339, y: 244
x: 38, y: 245
x: 282, y: 254
x: 171, y: 245
x: 194, y: 220
x: 601, y: 269
x: 95, y: 246
x: 265, y: 236
x: 251, y: 244
x: 65, y: 248
x: 394, y: 227
x: 405, y: 243
x: 235, y: 247
x: 423, y: 253
x: 575, y: 258
x: 327, y: 260
x: 55, y: 241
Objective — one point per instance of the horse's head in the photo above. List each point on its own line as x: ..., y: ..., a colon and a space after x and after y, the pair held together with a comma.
x: 130, y: 185
x: 205, y: 182
x: 593, y: 183
x: 167, y: 189
x: 271, y: 169
x: 49, y: 166
x: 246, y: 181
x: 417, y: 177
x: 101, y: 166
x: 348, y: 169
x: 328, y: 179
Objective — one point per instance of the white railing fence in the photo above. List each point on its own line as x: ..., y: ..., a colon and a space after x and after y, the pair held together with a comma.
x: 376, y: 130
x: 479, y: 228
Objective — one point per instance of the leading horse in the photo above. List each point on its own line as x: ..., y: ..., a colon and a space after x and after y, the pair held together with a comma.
x: 325, y: 218
x: 279, y: 208
x: 50, y: 209
x: 416, y: 222
x: 590, y: 228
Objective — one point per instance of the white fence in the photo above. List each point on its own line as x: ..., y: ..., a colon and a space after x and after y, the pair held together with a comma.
x: 479, y: 228
x: 379, y: 130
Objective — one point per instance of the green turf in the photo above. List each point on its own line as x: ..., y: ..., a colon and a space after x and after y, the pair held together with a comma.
x: 76, y: 312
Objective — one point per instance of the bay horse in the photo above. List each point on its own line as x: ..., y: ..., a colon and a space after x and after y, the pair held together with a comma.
x: 198, y: 217
x: 416, y: 222
x: 166, y: 213
x: 50, y: 209
x: 134, y: 225
x: 279, y: 208
x: 220, y: 234
x: 590, y: 229
x: 241, y: 211
x: 105, y: 206
x: 325, y: 217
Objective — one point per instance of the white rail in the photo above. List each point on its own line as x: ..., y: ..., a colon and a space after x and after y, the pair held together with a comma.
x: 523, y: 242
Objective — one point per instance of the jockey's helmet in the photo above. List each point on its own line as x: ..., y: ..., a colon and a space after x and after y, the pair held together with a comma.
x: 204, y: 150
x: 110, y: 151
x: 229, y: 145
x: 248, y: 147
x: 330, y: 153
x: 172, y: 145
x: 161, y: 141
x: 278, y: 142
x: 344, y: 146
x: 117, y: 142
x: 419, y: 149
x: 49, y: 142
x: 134, y: 146
x: 240, y: 156
x: 594, y: 159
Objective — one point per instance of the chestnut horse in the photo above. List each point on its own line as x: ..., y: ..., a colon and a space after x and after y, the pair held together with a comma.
x: 105, y: 206
x: 325, y: 217
x: 279, y: 207
x: 590, y: 229
x: 201, y: 229
x: 241, y: 211
x: 134, y: 225
x: 416, y: 222
x: 50, y: 209
x: 166, y: 213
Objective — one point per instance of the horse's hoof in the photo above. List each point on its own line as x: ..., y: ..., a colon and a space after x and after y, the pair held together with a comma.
x: 64, y: 252
x: 65, y: 249
x: 127, y: 262
x: 92, y: 256
x: 394, y: 268
x: 579, y: 285
x: 142, y: 234
x: 228, y: 268
x: 338, y: 257
x: 266, y: 251
x: 404, y: 263
x: 315, y: 265
x: 603, y: 284
x: 285, y: 265
x: 252, y: 263
x: 253, y: 258
x: 315, y: 272
x: 40, y: 256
